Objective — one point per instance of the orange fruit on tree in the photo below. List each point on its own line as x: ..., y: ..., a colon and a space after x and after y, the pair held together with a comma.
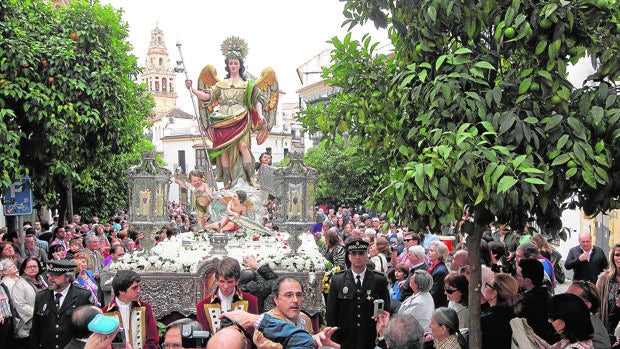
x: 51, y: 79
x: 74, y: 35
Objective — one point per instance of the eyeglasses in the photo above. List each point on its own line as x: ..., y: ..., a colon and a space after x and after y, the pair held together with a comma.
x: 491, y: 286
x: 451, y: 290
x: 32, y: 267
x: 290, y: 295
x: 616, y: 254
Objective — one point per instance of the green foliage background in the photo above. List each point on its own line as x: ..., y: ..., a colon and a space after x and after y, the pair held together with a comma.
x: 346, y: 176
x: 70, y: 109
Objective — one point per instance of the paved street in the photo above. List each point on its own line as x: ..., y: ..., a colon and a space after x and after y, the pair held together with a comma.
x: 561, y: 288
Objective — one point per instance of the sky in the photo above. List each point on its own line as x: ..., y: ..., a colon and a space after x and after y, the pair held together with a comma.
x: 282, y: 34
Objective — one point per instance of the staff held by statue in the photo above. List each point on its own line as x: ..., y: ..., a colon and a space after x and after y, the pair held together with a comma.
x: 201, y: 127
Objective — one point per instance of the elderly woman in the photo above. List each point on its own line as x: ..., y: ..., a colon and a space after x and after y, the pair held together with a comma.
x: 420, y: 304
x: 24, y: 292
x: 456, y: 287
x: 333, y: 251
x: 437, y: 256
x: 445, y: 330
x: 10, y: 274
x: 7, y: 314
x: 7, y: 251
x: 499, y: 291
x: 570, y: 318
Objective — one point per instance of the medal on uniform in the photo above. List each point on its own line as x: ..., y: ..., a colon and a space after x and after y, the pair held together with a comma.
x: 369, y: 297
x: 345, y: 290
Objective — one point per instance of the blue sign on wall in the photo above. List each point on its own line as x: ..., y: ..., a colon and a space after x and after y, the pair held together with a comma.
x: 17, y: 198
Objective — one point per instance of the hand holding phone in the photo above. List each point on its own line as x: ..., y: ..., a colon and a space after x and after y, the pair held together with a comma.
x: 378, y: 308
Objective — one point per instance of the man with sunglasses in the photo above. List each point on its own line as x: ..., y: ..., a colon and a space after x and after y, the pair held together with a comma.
x: 350, y: 302
x: 411, y: 239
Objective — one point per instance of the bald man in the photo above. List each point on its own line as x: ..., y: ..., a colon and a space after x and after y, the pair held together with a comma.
x: 459, y: 259
x: 586, y: 261
x: 227, y: 337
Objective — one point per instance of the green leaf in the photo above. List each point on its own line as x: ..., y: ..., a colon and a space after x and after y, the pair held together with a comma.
x: 462, y: 51
x: 535, y: 181
x: 540, y: 47
x: 518, y: 160
x: 505, y: 184
x: 524, y: 85
x: 419, y: 176
x: 484, y: 65
x: 432, y: 13
x: 561, y: 159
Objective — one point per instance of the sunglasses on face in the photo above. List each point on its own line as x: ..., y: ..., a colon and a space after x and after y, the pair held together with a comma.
x: 450, y: 290
x: 491, y: 286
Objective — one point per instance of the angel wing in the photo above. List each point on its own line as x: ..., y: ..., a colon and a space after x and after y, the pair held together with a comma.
x: 269, y: 87
x: 207, y: 79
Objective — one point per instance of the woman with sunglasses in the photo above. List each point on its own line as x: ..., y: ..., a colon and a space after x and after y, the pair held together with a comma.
x: 456, y: 287
x: 445, y: 330
x: 495, y: 321
x: 608, y: 285
x: 569, y: 316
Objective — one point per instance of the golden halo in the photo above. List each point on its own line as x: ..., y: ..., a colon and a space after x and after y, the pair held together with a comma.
x: 234, y: 47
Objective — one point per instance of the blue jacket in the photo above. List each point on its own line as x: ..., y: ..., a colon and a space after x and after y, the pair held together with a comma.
x: 285, y: 333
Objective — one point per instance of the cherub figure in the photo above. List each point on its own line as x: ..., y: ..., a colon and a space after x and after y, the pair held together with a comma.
x: 201, y: 192
x: 235, y: 208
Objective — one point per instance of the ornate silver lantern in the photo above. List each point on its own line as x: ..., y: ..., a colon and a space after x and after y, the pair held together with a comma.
x: 148, y: 184
x: 293, y: 189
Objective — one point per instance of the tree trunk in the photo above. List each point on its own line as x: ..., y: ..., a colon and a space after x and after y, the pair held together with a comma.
x: 475, y: 286
x: 61, y: 189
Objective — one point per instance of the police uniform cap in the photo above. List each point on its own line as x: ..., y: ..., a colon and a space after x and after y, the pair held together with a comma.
x: 61, y: 267
x: 357, y: 245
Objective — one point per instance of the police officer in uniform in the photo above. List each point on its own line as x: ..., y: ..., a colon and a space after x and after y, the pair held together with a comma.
x: 350, y: 301
x: 51, y: 323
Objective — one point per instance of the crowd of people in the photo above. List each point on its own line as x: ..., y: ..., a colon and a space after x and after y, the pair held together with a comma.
x: 395, y: 288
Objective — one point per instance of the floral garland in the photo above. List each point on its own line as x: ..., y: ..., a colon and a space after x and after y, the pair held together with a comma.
x: 185, y: 253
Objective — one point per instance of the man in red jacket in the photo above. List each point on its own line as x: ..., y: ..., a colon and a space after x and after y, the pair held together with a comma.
x: 226, y: 296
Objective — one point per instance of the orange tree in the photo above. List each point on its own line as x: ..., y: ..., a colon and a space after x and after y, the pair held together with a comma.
x: 70, y: 111
x: 474, y: 109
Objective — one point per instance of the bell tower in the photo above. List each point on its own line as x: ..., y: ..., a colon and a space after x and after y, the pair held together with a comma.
x: 158, y: 75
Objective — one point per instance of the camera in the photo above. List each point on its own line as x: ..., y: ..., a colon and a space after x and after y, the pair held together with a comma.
x: 194, y: 339
x: 378, y: 307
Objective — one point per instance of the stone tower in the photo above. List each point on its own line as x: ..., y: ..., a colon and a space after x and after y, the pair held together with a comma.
x: 158, y: 75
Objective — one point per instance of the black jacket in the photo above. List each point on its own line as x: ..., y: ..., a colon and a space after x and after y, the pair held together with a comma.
x: 352, y: 311
x: 51, y: 328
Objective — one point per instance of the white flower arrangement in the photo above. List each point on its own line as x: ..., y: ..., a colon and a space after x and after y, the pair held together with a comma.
x: 185, y: 253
